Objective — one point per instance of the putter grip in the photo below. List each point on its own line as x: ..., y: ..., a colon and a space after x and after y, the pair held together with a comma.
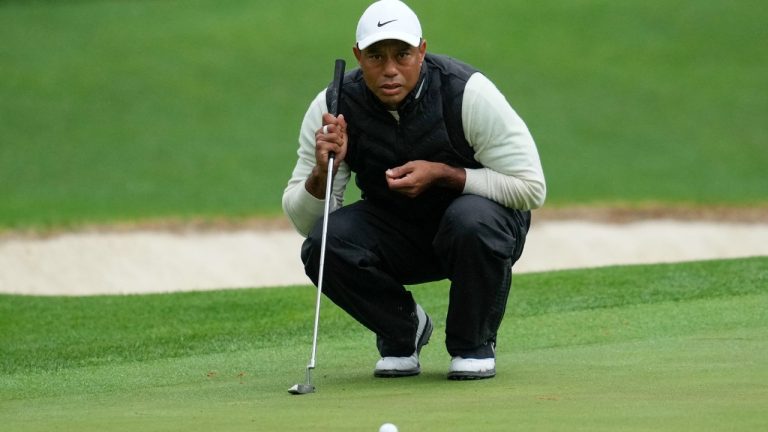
x: 334, y: 92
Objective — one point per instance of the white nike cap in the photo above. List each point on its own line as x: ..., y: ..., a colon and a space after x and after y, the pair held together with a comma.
x: 388, y: 19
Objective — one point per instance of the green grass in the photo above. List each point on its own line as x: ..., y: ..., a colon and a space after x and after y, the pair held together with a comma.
x: 142, y: 109
x: 190, y: 109
x: 664, y: 347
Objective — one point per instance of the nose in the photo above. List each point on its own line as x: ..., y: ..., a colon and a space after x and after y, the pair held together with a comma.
x: 390, y: 67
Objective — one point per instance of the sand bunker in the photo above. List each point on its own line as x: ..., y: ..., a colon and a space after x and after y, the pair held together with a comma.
x: 156, y: 260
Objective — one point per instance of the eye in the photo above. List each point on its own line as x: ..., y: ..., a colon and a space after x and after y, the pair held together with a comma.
x: 404, y: 57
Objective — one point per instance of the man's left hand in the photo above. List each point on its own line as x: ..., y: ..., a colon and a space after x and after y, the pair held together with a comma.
x: 415, y: 177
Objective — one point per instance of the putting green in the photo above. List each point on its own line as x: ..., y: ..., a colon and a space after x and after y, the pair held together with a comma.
x: 693, y: 365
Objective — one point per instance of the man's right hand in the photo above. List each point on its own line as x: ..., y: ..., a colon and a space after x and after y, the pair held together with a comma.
x: 335, y: 140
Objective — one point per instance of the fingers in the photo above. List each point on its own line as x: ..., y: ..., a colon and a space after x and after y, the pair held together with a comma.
x: 403, y: 179
x: 401, y: 171
x: 331, y: 138
x: 334, y: 124
x: 411, y: 179
x: 333, y: 129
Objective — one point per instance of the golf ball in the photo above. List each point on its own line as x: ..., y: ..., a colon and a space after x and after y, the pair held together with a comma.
x: 388, y: 427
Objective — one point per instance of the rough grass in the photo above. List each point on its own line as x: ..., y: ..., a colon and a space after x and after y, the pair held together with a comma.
x: 181, y: 109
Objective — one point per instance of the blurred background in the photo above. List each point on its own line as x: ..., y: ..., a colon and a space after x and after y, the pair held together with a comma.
x: 114, y: 111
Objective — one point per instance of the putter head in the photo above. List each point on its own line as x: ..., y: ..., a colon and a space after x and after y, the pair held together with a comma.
x: 299, y: 389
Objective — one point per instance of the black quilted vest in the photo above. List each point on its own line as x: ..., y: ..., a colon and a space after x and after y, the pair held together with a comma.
x: 430, y: 128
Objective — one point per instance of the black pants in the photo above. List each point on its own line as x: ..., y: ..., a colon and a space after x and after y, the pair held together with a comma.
x: 371, y: 254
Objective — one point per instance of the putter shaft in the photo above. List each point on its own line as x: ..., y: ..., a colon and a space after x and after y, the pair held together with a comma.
x: 334, y: 97
x: 308, y: 387
x: 323, y: 239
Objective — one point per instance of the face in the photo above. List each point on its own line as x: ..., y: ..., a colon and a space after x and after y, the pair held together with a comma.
x: 391, y: 69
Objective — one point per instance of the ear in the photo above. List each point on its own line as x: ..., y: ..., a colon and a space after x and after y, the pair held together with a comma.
x: 422, y: 50
x: 357, y: 52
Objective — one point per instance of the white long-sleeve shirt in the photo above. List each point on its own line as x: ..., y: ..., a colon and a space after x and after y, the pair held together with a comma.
x: 511, y: 173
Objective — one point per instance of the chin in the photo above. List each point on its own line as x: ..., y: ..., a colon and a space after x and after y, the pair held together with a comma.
x: 391, y: 102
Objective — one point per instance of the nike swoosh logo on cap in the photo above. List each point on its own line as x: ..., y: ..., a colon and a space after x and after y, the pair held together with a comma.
x: 382, y: 24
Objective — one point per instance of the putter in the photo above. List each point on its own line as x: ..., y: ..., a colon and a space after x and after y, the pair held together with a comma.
x: 335, y: 95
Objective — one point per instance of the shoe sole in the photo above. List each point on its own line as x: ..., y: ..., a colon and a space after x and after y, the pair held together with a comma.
x: 396, y: 373
x: 469, y: 376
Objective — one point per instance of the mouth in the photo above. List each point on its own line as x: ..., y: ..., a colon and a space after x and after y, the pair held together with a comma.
x: 390, y: 89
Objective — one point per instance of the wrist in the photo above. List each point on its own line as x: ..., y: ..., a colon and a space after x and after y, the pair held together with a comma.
x: 315, y: 183
x: 452, y: 177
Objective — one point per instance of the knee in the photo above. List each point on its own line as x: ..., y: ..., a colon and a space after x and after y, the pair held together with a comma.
x: 473, y: 223
x: 339, y: 232
x: 311, y: 243
x: 465, y: 217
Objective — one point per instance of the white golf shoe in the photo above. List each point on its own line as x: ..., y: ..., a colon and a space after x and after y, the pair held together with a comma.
x: 471, y: 369
x: 389, y: 367
x: 392, y: 367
